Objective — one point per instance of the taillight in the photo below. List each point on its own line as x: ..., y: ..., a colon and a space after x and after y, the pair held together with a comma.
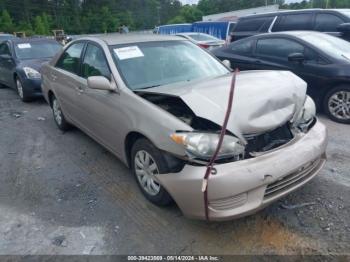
x: 204, y: 46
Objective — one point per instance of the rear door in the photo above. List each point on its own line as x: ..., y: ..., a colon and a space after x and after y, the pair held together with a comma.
x: 291, y: 22
x: 66, y: 80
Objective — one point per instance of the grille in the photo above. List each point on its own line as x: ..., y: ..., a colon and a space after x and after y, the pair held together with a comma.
x: 228, y: 202
x: 291, y: 180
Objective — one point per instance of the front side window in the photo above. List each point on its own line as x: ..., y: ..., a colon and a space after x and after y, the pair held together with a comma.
x: 327, y: 22
x: 149, y: 64
x: 95, y: 63
x: 278, y: 47
x: 70, y: 59
x: 4, y: 49
x: 293, y: 22
x: 36, y: 50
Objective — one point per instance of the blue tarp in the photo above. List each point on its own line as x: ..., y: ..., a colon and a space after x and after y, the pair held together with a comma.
x: 174, y: 29
x: 217, y: 29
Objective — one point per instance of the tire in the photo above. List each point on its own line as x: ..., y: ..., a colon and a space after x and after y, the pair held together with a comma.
x: 21, y: 91
x: 58, y: 115
x: 146, y: 161
x: 336, y: 104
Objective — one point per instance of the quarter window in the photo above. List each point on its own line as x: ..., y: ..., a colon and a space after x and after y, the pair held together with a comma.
x: 293, y: 22
x: 70, y: 59
x: 327, y: 22
x: 278, y: 47
x: 243, y: 47
x: 95, y: 63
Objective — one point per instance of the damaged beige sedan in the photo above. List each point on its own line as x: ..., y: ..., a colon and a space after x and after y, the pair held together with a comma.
x: 159, y: 103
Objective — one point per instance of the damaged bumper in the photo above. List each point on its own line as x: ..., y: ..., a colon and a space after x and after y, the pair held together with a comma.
x: 244, y: 187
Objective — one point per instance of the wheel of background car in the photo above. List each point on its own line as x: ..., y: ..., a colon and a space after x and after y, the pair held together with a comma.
x: 21, y: 91
x: 58, y: 116
x: 337, y: 104
x: 147, y: 161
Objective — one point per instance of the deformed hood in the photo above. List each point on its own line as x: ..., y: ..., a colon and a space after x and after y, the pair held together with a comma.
x: 263, y: 100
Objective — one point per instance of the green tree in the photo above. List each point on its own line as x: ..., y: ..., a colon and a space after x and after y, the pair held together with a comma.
x: 6, y: 24
x: 39, y: 27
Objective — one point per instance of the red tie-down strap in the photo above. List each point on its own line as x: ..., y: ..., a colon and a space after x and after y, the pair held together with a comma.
x: 221, y: 138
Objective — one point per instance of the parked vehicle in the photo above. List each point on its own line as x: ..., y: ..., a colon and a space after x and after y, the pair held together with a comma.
x: 323, y: 61
x: 21, y: 61
x: 173, y: 29
x: 335, y: 22
x: 203, y: 40
x: 4, y: 37
x: 158, y: 103
x: 219, y: 29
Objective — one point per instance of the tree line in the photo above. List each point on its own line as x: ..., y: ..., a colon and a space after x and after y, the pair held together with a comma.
x: 97, y: 16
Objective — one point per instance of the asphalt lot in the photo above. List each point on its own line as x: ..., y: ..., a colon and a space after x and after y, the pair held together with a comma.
x: 62, y: 193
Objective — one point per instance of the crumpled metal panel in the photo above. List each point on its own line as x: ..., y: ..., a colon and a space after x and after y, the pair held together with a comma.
x: 263, y: 100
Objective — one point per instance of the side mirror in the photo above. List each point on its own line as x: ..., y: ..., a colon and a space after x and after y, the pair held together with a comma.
x: 344, y: 28
x: 227, y: 63
x: 5, y: 56
x: 296, y: 57
x: 100, y: 83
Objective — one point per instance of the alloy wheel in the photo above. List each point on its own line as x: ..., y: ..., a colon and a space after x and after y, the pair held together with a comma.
x: 19, y: 89
x: 57, y: 112
x: 146, y: 169
x: 339, y: 105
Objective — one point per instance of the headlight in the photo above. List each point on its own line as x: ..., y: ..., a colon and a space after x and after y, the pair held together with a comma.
x: 31, y: 73
x: 306, y: 115
x: 203, y: 145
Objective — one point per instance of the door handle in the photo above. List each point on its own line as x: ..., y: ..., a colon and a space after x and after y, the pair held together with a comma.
x: 257, y: 61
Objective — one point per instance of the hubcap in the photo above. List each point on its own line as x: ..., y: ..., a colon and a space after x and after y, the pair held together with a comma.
x: 57, y: 112
x: 19, y: 88
x: 146, y: 169
x: 339, y: 105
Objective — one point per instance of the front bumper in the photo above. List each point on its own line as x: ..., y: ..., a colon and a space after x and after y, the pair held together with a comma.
x: 244, y: 187
x: 32, y: 87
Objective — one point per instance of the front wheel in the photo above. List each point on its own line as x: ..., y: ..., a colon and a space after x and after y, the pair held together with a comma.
x: 337, y: 104
x: 147, y: 162
x: 22, y: 93
x: 58, y: 116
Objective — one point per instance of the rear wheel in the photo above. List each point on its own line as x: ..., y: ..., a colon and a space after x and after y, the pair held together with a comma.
x: 22, y: 93
x: 58, y: 116
x: 337, y: 104
x: 147, y: 162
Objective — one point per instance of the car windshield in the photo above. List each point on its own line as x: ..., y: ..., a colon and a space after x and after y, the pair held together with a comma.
x: 150, y: 64
x: 333, y: 46
x: 202, y: 37
x: 36, y: 50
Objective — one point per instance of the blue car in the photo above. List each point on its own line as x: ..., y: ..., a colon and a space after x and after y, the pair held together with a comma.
x: 4, y: 37
x: 20, y: 63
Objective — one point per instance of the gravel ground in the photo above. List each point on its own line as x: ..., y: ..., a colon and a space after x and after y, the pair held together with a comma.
x: 62, y: 193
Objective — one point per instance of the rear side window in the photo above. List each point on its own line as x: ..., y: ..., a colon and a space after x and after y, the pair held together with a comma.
x: 278, y: 47
x: 243, y: 47
x: 327, y: 22
x: 252, y: 24
x: 293, y: 22
x: 70, y: 59
x: 95, y: 63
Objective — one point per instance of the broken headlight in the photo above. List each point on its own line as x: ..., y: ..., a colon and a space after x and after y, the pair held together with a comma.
x: 203, y: 145
x: 306, y: 115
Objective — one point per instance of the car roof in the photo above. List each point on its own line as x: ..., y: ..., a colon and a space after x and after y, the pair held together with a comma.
x: 293, y: 12
x: 290, y: 33
x: 31, y: 40
x: 115, y: 39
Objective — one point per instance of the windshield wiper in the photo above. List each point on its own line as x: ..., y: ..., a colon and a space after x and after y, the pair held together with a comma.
x: 346, y: 57
x: 148, y: 87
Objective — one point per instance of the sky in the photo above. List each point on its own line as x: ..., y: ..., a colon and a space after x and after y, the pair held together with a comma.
x: 196, y: 1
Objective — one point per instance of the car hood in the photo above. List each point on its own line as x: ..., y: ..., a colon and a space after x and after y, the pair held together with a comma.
x: 34, y: 63
x: 263, y: 100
